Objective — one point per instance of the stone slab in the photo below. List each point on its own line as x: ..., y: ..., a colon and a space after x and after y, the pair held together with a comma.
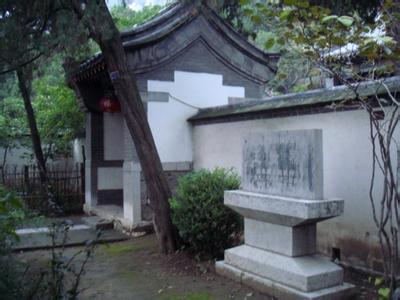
x: 305, y: 273
x: 290, y: 241
x: 280, y: 291
x: 282, y: 210
x: 38, y: 238
x: 98, y: 222
x: 285, y: 163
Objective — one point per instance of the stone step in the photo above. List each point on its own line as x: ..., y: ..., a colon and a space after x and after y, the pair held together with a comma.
x: 305, y: 273
x: 97, y: 222
x: 281, y: 291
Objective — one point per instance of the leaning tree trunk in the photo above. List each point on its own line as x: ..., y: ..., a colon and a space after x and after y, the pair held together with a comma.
x: 24, y: 88
x: 104, y: 32
x: 135, y: 116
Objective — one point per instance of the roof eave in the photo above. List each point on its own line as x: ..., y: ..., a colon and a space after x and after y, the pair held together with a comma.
x: 314, y: 97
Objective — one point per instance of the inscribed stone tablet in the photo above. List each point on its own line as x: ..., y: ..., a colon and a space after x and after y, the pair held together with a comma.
x: 284, y: 163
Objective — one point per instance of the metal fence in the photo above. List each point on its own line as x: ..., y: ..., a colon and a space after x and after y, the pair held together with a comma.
x: 66, y: 185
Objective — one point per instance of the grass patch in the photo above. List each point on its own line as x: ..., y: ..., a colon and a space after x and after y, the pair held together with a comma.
x: 128, y: 275
x: 122, y: 248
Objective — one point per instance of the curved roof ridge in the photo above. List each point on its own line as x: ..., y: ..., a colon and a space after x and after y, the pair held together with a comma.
x: 158, y: 32
x: 163, y: 16
x: 179, y: 14
x: 234, y: 36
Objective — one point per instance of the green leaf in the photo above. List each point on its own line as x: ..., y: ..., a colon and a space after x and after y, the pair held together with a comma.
x: 281, y: 76
x: 256, y: 19
x: 289, y: 2
x: 247, y: 11
x: 328, y: 19
x: 346, y: 20
x: 285, y: 13
x: 244, y: 2
x: 314, y: 10
x: 269, y: 43
x: 387, y: 39
x: 378, y: 281
x: 302, y: 4
x: 337, y: 41
x: 370, y: 51
x: 298, y: 3
x: 384, y: 293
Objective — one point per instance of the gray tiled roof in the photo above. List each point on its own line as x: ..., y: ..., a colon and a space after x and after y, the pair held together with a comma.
x: 309, y: 98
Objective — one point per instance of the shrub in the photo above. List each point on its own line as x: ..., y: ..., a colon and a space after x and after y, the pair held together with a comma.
x: 204, y: 223
x: 60, y: 280
x: 11, y: 214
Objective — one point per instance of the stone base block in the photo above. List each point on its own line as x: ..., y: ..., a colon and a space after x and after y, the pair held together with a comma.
x: 290, y: 241
x: 281, y: 291
x: 305, y: 273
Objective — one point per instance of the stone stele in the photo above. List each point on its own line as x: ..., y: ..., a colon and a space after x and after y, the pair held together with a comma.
x: 281, y: 203
x: 285, y: 163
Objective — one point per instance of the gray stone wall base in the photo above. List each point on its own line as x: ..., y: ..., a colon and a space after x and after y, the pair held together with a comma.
x: 112, y: 213
x: 281, y: 291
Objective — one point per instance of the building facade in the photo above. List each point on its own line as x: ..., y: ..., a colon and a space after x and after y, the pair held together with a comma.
x: 184, y: 59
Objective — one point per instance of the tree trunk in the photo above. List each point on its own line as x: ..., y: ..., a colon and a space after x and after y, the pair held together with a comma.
x: 3, y: 165
x: 24, y: 87
x: 135, y: 116
x: 107, y: 36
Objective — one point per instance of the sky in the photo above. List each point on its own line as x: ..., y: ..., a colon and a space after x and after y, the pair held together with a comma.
x: 136, y: 4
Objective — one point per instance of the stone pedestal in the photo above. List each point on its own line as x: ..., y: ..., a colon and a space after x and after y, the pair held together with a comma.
x: 132, y: 203
x: 131, y: 181
x: 282, y: 179
x: 90, y: 186
x: 90, y: 168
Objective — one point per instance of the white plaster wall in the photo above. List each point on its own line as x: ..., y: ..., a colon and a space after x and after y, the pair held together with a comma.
x: 347, y: 169
x: 21, y: 156
x: 18, y: 156
x: 168, y: 120
x: 110, y: 178
x: 113, y: 136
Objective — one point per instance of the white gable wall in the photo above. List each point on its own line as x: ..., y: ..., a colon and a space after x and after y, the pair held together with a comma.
x: 168, y: 120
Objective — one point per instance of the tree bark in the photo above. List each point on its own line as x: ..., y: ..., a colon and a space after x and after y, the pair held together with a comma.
x: 3, y: 165
x: 24, y: 87
x: 104, y: 32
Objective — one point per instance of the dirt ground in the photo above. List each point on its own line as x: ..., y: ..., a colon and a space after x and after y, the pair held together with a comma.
x: 134, y: 269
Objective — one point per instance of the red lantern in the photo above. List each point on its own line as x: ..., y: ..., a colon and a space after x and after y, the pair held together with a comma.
x: 109, y: 105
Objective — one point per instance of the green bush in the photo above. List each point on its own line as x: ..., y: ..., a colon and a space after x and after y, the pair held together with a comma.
x: 11, y: 214
x: 205, y: 225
